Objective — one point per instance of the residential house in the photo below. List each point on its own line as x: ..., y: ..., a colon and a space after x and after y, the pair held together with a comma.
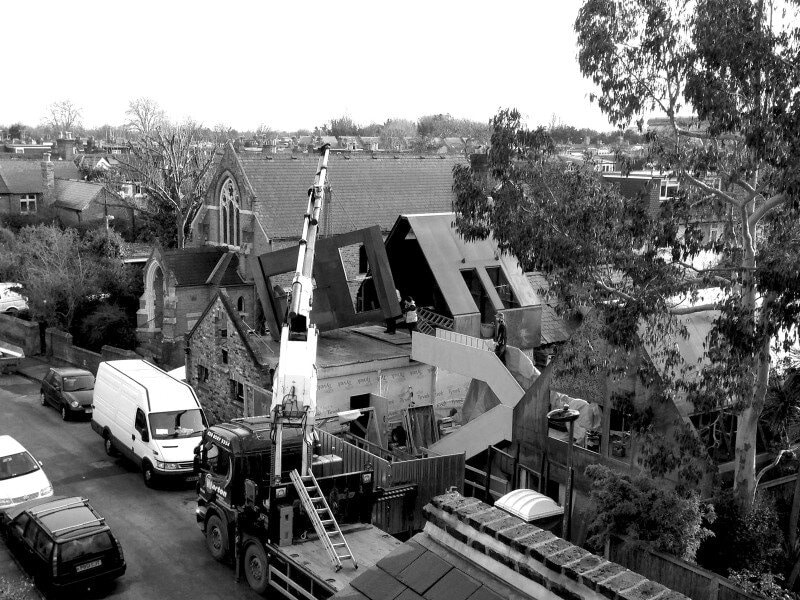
x: 26, y: 186
x: 231, y: 367
x: 256, y: 201
x: 79, y: 202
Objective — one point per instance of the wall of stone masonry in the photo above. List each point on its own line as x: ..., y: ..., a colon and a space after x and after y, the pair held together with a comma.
x: 205, y: 349
x: 552, y: 568
x: 22, y: 333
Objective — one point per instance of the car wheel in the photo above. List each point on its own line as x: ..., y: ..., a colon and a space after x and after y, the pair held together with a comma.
x: 12, y: 312
x: 64, y: 413
x: 42, y: 399
x: 109, y: 445
x: 149, y: 475
x: 255, y: 568
x: 217, y: 538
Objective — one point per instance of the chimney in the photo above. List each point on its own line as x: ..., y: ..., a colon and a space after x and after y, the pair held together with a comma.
x: 66, y: 147
x: 48, y: 180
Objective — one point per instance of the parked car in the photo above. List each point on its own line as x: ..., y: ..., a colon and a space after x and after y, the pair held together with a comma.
x: 21, y: 475
x: 70, y: 390
x: 11, y: 302
x: 63, y: 543
x: 150, y: 417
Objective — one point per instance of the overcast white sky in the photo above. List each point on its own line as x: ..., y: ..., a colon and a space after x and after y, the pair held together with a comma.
x: 296, y: 64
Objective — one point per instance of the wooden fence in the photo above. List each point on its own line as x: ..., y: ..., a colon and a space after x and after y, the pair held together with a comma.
x: 430, y: 476
x: 688, y: 579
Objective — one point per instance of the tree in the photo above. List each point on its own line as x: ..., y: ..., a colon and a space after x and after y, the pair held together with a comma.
x: 172, y: 163
x: 144, y: 115
x: 394, y: 133
x: 16, y: 131
x: 637, y: 509
x: 62, y: 116
x: 343, y: 125
x: 740, y: 74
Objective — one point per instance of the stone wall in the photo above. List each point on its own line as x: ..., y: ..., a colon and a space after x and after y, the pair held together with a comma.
x: 19, y: 332
x: 544, y: 565
x: 59, y: 346
x: 213, y: 342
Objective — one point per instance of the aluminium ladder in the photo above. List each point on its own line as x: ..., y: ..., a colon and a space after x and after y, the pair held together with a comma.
x: 322, y: 518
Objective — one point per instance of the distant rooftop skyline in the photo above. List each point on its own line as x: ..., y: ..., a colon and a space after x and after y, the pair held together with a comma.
x: 295, y: 66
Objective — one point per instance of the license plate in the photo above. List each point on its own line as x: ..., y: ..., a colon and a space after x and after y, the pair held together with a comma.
x: 88, y: 411
x: 89, y: 565
x: 193, y: 478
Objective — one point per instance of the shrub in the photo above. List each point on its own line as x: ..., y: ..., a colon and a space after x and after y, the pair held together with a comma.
x: 637, y: 509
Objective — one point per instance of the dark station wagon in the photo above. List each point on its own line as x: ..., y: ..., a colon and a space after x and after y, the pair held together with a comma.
x: 63, y: 543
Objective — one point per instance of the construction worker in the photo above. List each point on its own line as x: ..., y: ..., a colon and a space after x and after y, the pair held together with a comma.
x: 411, y: 315
x: 500, y: 337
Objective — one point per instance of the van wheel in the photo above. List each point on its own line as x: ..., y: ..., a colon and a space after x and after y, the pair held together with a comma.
x: 217, y: 538
x: 149, y: 475
x: 255, y: 568
x: 109, y: 445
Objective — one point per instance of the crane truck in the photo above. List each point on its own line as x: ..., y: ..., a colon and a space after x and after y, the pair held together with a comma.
x: 295, y: 523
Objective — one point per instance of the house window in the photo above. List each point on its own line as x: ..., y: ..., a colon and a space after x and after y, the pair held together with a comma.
x: 669, y: 189
x: 229, y: 232
x: 713, y: 232
x: 225, y: 357
x: 363, y: 263
x: 27, y: 204
x: 619, y: 434
x: 202, y: 374
x: 237, y: 391
x: 240, y: 304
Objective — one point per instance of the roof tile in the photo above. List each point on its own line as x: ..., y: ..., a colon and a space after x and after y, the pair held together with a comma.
x: 376, y: 584
x: 424, y: 572
x: 455, y: 585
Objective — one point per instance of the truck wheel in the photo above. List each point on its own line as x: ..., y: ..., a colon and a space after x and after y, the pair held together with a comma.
x: 255, y: 568
x: 217, y: 538
x: 148, y: 474
x: 109, y: 445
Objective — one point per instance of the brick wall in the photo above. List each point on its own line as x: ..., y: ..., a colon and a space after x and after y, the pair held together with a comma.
x: 19, y: 332
x: 535, y: 560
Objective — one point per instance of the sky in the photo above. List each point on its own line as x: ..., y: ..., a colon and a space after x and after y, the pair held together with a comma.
x: 294, y: 65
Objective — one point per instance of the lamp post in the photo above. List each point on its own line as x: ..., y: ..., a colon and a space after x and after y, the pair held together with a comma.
x: 566, y: 415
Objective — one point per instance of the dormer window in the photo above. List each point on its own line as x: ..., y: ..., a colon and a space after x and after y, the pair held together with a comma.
x: 229, y: 213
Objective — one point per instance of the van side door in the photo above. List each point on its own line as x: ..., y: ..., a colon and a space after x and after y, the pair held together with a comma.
x: 140, y: 436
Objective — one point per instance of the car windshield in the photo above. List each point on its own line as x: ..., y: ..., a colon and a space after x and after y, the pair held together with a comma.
x: 77, y: 383
x: 177, y: 424
x: 18, y: 464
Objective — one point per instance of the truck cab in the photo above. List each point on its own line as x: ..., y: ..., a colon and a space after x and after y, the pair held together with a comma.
x: 254, y: 517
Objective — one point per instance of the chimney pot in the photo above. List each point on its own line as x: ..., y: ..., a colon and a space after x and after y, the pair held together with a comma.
x: 46, y: 157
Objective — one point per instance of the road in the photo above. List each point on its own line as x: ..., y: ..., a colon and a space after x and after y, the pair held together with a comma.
x: 164, y: 549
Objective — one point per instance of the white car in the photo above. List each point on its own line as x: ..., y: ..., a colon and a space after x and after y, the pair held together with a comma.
x: 11, y: 302
x: 21, y: 475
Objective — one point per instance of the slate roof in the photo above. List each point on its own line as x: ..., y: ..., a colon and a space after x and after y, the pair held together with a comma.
x: 415, y: 572
x: 193, y: 266
x: 554, y: 328
x: 365, y: 190
x: 25, y: 176
x: 76, y: 195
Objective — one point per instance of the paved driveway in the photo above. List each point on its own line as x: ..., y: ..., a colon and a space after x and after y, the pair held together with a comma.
x: 164, y: 549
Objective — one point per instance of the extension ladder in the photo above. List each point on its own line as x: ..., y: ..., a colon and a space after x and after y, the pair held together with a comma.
x: 322, y: 518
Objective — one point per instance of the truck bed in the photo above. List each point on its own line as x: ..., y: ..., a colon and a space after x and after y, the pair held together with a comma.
x: 367, y: 543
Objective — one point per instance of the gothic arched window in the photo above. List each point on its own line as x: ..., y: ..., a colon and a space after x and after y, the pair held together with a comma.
x: 229, y: 232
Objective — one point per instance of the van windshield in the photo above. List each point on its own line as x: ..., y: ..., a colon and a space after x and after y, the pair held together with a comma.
x: 17, y: 464
x: 177, y: 424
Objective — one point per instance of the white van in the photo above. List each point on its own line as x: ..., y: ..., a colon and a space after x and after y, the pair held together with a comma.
x: 148, y: 416
x: 11, y: 302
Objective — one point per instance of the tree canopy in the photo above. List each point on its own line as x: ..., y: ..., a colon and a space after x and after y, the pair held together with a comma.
x: 737, y: 157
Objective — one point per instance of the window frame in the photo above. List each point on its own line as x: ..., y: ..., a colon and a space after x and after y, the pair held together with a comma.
x: 26, y: 200
x: 230, y: 231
